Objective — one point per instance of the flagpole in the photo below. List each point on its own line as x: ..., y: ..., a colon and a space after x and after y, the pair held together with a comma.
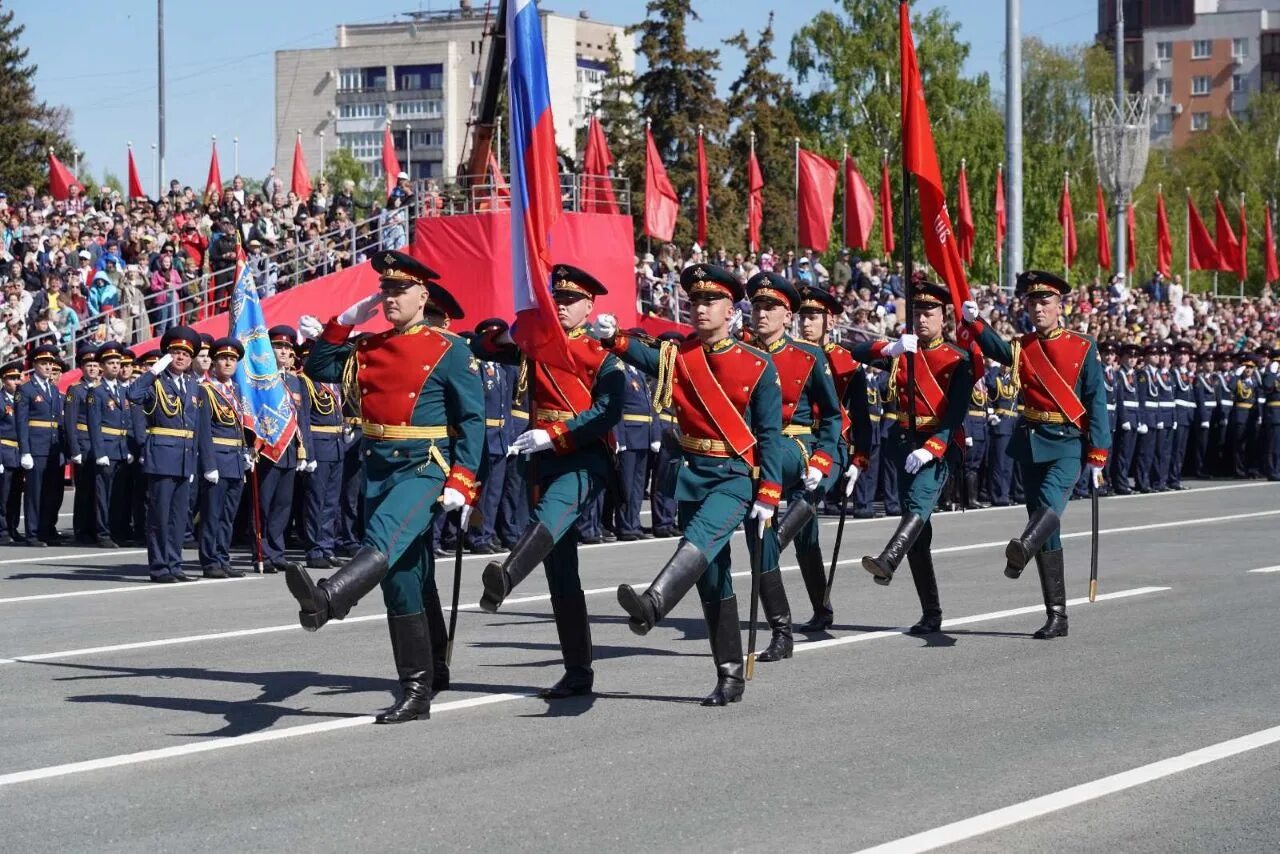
x: 797, y: 197
x: 1187, y: 207
x: 1243, y: 242
x: 408, y: 152
x: 1066, y: 245
x: 999, y: 247
x: 235, y: 153
x: 751, y: 247
x: 321, y: 155
x: 908, y: 271
x: 1215, y: 235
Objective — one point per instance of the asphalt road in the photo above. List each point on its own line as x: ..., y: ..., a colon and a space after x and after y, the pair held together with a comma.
x: 200, y: 717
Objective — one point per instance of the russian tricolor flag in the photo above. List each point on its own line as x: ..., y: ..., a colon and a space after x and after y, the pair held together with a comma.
x: 535, y: 188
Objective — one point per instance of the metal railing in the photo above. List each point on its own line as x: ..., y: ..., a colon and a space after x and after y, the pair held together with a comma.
x: 482, y: 194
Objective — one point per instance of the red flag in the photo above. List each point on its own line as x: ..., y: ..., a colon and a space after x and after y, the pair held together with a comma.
x: 660, y: 205
x: 815, y: 199
x: 859, y: 207
x: 755, y: 200
x: 886, y: 210
x: 390, y: 163
x: 301, y: 184
x: 921, y: 159
x: 964, y: 224
x: 135, y: 183
x: 702, y: 192
x: 1242, y: 257
x: 598, y: 194
x: 1202, y: 253
x: 1271, y: 270
x: 1228, y: 246
x: 214, y: 181
x: 1104, y: 237
x: 1131, y: 228
x: 1164, y: 242
x: 1001, y: 221
x: 60, y: 179
x: 1067, y: 220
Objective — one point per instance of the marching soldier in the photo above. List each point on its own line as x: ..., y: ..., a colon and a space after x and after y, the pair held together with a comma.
x: 638, y: 437
x: 1063, y: 421
x: 422, y: 414
x: 1002, y: 400
x: 10, y: 376
x: 325, y: 423
x: 1149, y: 427
x: 169, y: 400
x: 666, y: 465
x: 811, y: 424
x: 223, y: 458
x: 1129, y: 418
x: 1184, y: 411
x: 75, y: 420
x: 943, y: 381
x: 497, y: 402
x: 38, y: 411
x: 573, y: 414
x: 728, y: 403
x: 277, y: 478
x: 110, y: 425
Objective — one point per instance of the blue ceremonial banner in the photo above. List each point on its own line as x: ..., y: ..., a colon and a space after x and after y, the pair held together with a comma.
x: 266, y: 402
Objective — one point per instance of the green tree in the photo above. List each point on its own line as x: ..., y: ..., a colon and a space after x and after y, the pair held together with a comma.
x: 28, y: 127
x: 111, y: 181
x: 341, y: 165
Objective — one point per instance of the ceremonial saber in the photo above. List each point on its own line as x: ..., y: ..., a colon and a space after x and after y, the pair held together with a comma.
x: 835, y: 553
x: 1093, y: 556
x: 457, y: 584
x: 756, y: 558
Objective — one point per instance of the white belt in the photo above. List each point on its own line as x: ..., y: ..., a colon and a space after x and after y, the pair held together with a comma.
x: 1189, y: 404
x: 1166, y: 404
x: 1150, y: 405
x: 1211, y: 403
x: 1111, y: 407
x: 1131, y: 404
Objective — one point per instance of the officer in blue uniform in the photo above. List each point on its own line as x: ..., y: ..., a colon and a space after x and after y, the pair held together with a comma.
x: 1165, y: 427
x: 75, y: 424
x: 888, y: 471
x: 1002, y: 399
x: 350, y: 528
x: 323, y: 402
x: 169, y: 398
x: 1205, y: 394
x: 110, y: 422
x: 276, y: 479
x: 975, y: 443
x: 1271, y: 416
x: 1245, y: 386
x: 666, y: 466
x: 870, y: 384
x: 10, y: 375
x: 223, y: 458
x: 1147, y: 429
x: 1129, y: 416
x: 138, y: 441
x: 1184, y: 412
x: 40, y: 445
x: 497, y: 403
x: 638, y: 437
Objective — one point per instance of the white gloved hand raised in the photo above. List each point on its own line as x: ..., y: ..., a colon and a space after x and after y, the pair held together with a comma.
x: 917, y: 459
x: 812, y: 477
x: 211, y: 476
x: 908, y: 343
x: 26, y: 462
x: 163, y: 362
x: 969, y: 310
x: 103, y: 461
x: 606, y: 326
x: 655, y: 447
x: 361, y: 311
x: 1274, y: 367
x: 850, y: 478
x: 1159, y: 425
x: 530, y: 442
x: 761, y: 512
x: 310, y: 326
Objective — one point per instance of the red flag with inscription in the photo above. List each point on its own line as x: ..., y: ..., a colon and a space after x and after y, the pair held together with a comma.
x: 859, y: 207
x: 1131, y: 230
x: 1164, y: 242
x: 1202, y: 252
x: 886, y: 210
x: 1271, y: 270
x: 1228, y: 246
x: 1067, y: 219
x: 755, y: 200
x: 702, y: 193
x: 660, y: 205
x: 1104, y: 236
x: 815, y: 199
x: 135, y: 182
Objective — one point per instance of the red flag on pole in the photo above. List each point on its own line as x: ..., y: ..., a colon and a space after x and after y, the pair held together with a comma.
x: 1104, y: 236
x: 886, y: 209
x: 214, y: 181
x: 1067, y: 220
x: 660, y: 205
x: 1164, y: 242
x: 1131, y: 229
x: 1242, y: 262
x: 859, y: 207
x: 598, y: 194
x: 1202, y: 253
x: 921, y: 159
x: 1228, y: 246
x: 755, y: 200
x: 1271, y: 270
x: 1001, y: 222
x: 964, y: 222
x: 390, y: 163
x: 702, y: 192
x: 135, y: 183
x: 60, y: 179
x: 301, y: 185
x: 815, y: 199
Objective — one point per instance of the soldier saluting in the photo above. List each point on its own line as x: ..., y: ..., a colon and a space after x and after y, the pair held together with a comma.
x: 1063, y: 424
x: 422, y: 411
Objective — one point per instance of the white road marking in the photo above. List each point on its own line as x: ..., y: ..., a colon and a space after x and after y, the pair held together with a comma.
x: 473, y: 702
x: 1267, y: 569
x: 85, y: 555
x: 959, y: 831
x: 134, y: 587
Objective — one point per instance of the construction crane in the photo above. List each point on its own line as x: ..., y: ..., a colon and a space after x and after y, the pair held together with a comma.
x: 475, y: 166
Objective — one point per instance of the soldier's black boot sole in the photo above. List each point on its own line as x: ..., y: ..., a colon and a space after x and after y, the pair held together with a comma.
x: 1022, y: 549
x: 883, y: 567
x: 674, y: 580
x: 500, y: 579
x: 310, y: 595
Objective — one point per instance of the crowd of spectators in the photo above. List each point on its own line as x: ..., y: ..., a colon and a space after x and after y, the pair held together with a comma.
x: 92, y: 269
x: 874, y: 297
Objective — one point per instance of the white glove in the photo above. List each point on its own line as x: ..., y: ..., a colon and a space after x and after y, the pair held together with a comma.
x: 969, y: 310
x: 761, y: 512
x: 163, y: 362
x: 1159, y: 425
x: 993, y: 420
x: 1274, y: 367
x: 735, y: 321
x: 1240, y: 370
x: 27, y: 463
x: 606, y: 326
x: 211, y: 476
x: 1126, y: 426
x: 1095, y: 472
x: 248, y: 462
x: 530, y: 442
x: 310, y: 326
x: 1204, y: 425
x: 1143, y: 429
x: 851, y: 477
x: 1, y: 468
x: 812, y: 477
x: 128, y: 458
x: 1174, y: 426
x: 361, y: 311
x: 451, y: 499
x: 621, y: 448
x: 917, y: 459
x: 103, y: 461
x: 655, y: 447
x: 968, y: 441
x: 78, y: 459
x: 191, y: 478
x: 906, y: 344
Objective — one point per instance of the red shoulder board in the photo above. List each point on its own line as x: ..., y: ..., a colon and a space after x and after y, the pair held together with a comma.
x: 391, y: 370
x: 843, y: 366
x: 793, y: 365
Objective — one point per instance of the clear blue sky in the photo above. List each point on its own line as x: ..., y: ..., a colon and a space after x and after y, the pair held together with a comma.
x: 99, y: 59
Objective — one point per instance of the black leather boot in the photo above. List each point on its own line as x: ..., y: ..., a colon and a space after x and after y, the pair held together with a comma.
x: 1020, y: 550
x: 920, y: 559
x: 971, y: 500
x: 574, y: 628
x: 726, y: 648
x: 1054, y: 587
x: 646, y: 609
x: 333, y: 597
x: 884, y: 566
x: 814, y: 574
x: 501, y: 578
x: 773, y: 597
x: 411, y: 645
x: 439, y: 632
x: 799, y: 513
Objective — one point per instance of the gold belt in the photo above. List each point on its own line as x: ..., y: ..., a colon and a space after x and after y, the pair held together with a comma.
x: 797, y: 430
x: 639, y: 419
x: 708, y: 447
x: 1009, y: 412
x: 9, y: 443
x: 519, y: 413
x: 552, y: 414
x: 1040, y: 416
x: 1239, y: 405
x: 114, y: 431
x: 326, y: 428
x: 875, y: 419
x: 222, y: 440
x: 891, y: 416
x: 391, y: 431
x: 978, y: 413
x: 666, y: 416
x: 1273, y: 403
x: 84, y: 427
x: 353, y: 420
x: 170, y: 431
x: 51, y: 425
x: 494, y: 422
